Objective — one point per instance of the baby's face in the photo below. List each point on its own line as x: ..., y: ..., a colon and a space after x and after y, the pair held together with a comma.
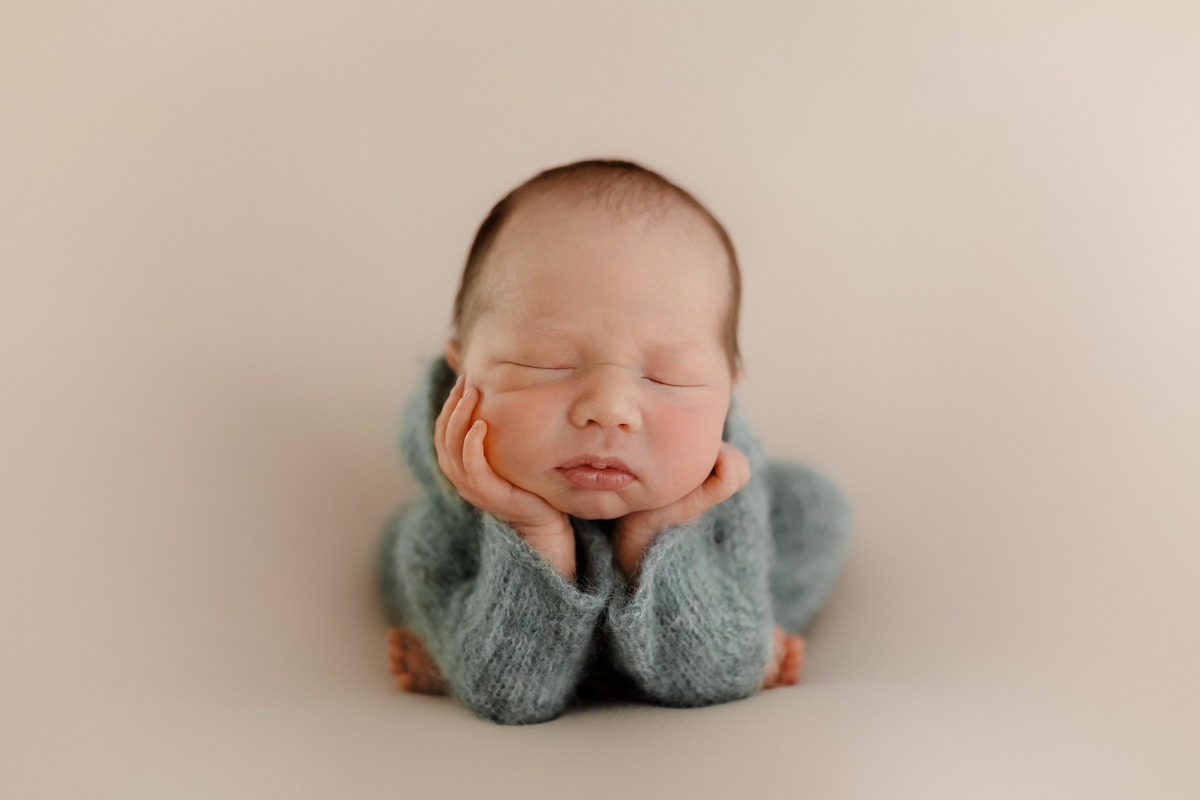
x: 602, y: 347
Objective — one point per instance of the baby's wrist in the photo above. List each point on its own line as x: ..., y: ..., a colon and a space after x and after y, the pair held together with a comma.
x: 630, y: 542
x: 632, y: 535
x: 550, y: 529
x: 554, y: 540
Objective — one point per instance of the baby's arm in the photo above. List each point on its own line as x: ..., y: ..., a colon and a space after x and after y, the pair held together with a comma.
x: 633, y: 533
x: 509, y: 632
x: 697, y: 627
x: 459, y: 444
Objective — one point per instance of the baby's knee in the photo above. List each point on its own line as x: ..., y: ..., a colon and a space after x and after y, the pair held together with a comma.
x: 807, y: 503
x: 810, y: 526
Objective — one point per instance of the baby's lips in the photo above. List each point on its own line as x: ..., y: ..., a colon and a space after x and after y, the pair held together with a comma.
x: 596, y: 462
x: 600, y: 473
x: 604, y: 480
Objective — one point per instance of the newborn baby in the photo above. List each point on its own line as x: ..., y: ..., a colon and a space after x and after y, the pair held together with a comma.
x: 597, y: 514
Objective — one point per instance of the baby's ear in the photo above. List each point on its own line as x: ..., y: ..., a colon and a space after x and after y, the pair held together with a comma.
x: 737, y: 376
x: 452, y: 350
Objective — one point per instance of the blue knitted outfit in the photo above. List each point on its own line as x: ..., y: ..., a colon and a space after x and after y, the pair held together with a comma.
x: 516, y: 641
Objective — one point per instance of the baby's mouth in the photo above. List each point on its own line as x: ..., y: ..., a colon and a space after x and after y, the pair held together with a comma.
x: 597, y: 473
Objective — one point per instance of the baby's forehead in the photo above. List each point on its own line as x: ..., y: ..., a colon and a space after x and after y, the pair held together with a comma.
x: 581, y: 250
x: 569, y: 270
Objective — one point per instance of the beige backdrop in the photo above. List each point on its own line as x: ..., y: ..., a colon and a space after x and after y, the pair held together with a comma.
x: 231, y: 231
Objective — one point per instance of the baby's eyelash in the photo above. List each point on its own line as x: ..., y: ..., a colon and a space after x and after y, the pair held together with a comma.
x: 531, y: 366
x: 675, y: 385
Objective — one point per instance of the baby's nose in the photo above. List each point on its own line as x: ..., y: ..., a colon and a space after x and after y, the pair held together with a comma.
x: 608, y: 400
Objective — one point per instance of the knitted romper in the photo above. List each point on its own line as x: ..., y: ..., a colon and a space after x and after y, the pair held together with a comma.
x: 516, y: 641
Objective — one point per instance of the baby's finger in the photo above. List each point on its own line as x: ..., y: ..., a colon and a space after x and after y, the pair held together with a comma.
x: 439, y: 426
x: 732, y: 465
x: 730, y: 474
x: 449, y: 459
x: 460, y: 420
x: 475, y: 461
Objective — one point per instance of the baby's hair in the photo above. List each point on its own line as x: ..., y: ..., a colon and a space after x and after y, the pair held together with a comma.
x: 621, y: 186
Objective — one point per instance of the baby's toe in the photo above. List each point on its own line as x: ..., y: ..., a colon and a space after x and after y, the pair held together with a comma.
x: 793, y: 661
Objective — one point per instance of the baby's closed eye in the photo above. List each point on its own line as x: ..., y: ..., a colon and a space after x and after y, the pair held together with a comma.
x: 537, y: 366
x: 673, y: 382
x: 673, y: 372
x: 529, y: 373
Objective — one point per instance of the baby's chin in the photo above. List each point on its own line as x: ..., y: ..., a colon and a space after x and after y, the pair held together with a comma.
x: 589, y: 504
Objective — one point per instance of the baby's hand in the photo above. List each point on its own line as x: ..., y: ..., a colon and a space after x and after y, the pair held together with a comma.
x: 459, y: 444
x: 633, y: 533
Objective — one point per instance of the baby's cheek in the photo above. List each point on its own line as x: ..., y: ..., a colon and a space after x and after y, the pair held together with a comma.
x: 688, y: 444
x: 517, y: 425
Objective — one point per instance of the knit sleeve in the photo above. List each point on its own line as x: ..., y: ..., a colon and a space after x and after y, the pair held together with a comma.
x: 698, y: 628
x: 509, y: 633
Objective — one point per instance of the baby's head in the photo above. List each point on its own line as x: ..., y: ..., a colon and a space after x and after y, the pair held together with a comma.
x: 598, y: 318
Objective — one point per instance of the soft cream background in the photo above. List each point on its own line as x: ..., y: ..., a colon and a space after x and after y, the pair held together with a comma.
x: 230, y: 231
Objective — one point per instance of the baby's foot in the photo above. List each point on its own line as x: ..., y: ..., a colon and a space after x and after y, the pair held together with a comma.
x: 410, y: 662
x: 786, y: 661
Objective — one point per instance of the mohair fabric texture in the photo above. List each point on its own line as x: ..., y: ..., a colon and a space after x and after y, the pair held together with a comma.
x: 515, y: 640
